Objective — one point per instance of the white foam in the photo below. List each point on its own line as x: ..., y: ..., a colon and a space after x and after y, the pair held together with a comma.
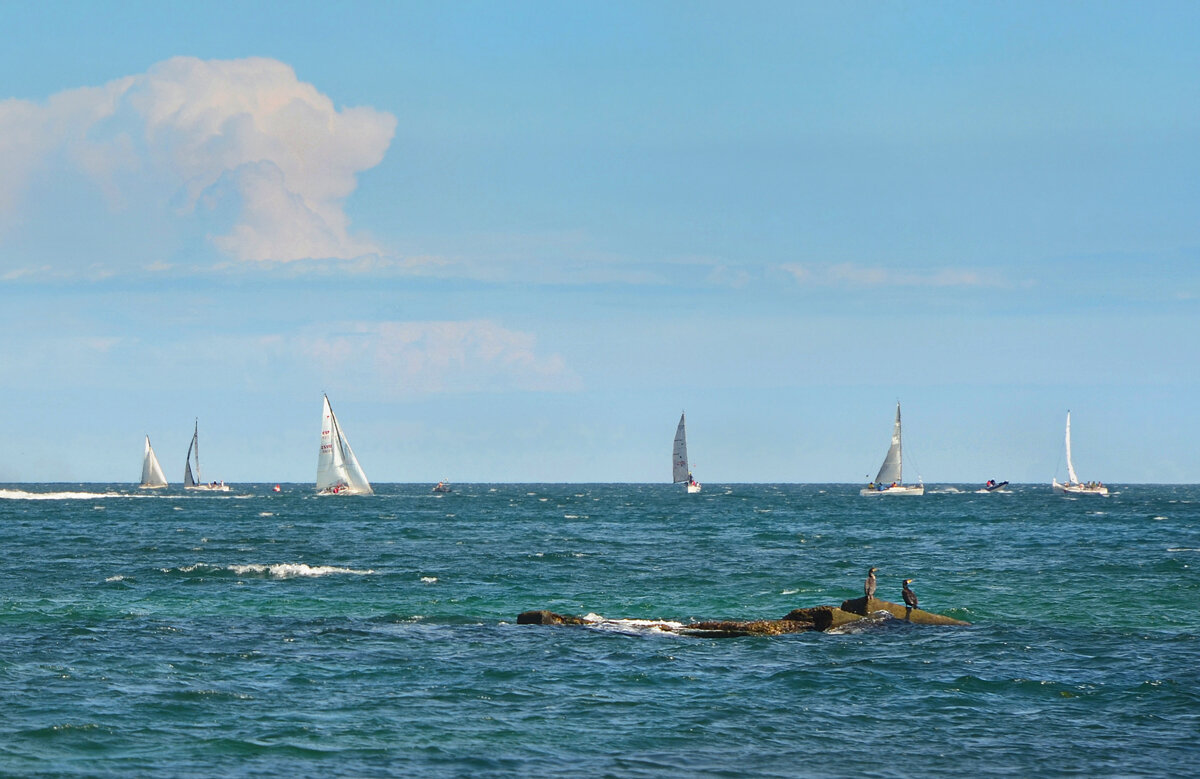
x: 290, y: 570
x: 1183, y: 549
x: 632, y: 626
x: 23, y: 495
x: 117, y: 578
x: 429, y: 579
x: 275, y: 570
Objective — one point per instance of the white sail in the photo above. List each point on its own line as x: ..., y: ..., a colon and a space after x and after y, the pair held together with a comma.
x: 1073, y: 486
x: 152, y: 473
x: 892, y: 469
x: 679, y: 457
x: 338, y: 470
x: 1070, y: 467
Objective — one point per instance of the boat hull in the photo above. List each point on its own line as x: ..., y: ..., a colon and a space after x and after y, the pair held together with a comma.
x: 209, y: 487
x: 1078, y: 489
x: 899, y: 489
x: 693, y: 488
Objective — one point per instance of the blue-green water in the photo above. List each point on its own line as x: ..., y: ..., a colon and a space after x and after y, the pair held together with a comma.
x: 267, y: 634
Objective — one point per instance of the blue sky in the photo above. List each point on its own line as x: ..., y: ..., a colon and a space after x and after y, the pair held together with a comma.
x: 514, y: 241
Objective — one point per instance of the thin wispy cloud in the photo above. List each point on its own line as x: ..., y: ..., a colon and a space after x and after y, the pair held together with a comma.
x: 434, y: 357
x: 854, y: 275
x: 245, y: 156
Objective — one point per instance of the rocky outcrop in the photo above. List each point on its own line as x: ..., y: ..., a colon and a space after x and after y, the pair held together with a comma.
x: 544, y: 617
x: 820, y: 618
x: 862, y: 607
x: 758, y: 627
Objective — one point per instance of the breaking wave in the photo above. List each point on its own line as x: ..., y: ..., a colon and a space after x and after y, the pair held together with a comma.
x: 632, y: 627
x: 24, y: 495
x: 273, y: 571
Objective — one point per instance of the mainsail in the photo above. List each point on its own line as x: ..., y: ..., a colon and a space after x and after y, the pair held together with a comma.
x: 152, y: 473
x: 679, y: 458
x: 1070, y: 468
x: 338, y: 470
x: 193, y: 448
x: 891, y: 470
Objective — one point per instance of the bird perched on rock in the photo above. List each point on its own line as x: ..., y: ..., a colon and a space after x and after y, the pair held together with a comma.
x: 869, y: 584
x: 910, y: 598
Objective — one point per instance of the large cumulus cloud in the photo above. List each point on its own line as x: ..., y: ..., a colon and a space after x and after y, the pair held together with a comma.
x: 239, y: 152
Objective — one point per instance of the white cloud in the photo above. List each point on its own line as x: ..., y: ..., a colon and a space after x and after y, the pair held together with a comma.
x: 853, y: 275
x: 242, y: 144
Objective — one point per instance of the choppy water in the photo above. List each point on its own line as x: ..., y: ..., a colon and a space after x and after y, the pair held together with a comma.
x: 267, y: 634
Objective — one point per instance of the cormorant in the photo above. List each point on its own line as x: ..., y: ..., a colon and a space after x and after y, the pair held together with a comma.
x: 869, y: 585
x: 910, y: 599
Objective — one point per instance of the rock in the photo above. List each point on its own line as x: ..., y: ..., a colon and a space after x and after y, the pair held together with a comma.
x: 861, y: 607
x: 543, y: 617
x: 824, y: 617
x: 796, y: 621
x: 760, y: 627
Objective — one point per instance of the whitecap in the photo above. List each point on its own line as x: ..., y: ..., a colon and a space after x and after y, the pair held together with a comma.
x: 274, y: 570
x: 290, y: 570
x: 632, y: 627
x: 24, y: 495
x: 429, y: 579
x: 117, y: 578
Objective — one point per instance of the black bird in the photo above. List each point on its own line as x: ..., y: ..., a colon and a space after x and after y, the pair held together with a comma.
x: 910, y: 599
x: 869, y: 585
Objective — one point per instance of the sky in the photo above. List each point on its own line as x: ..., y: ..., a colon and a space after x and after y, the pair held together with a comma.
x: 514, y: 241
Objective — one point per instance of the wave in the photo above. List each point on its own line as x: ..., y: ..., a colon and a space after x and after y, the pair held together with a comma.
x: 272, y: 570
x: 23, y: 495
x: 632, y: 627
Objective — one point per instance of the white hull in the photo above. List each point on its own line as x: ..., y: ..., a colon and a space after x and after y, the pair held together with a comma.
x: 1078, y: 489
x: 209, y: 487
x: 693, y: 488
x: 345, y: 491
x: 899, y: 489
x: 152, y: 486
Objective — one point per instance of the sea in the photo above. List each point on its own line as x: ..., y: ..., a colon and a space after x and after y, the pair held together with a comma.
x: 259, y: 633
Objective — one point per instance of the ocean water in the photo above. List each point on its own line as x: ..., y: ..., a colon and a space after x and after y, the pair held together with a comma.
x: 261, y: 634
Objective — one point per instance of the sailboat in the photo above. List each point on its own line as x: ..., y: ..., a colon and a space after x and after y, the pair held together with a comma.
x: 889, y: 480
x: 338, y: 471
x: 679, y: 459
x: 1073, y: 485
x: 193, y: 483
x: 153, y: 477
